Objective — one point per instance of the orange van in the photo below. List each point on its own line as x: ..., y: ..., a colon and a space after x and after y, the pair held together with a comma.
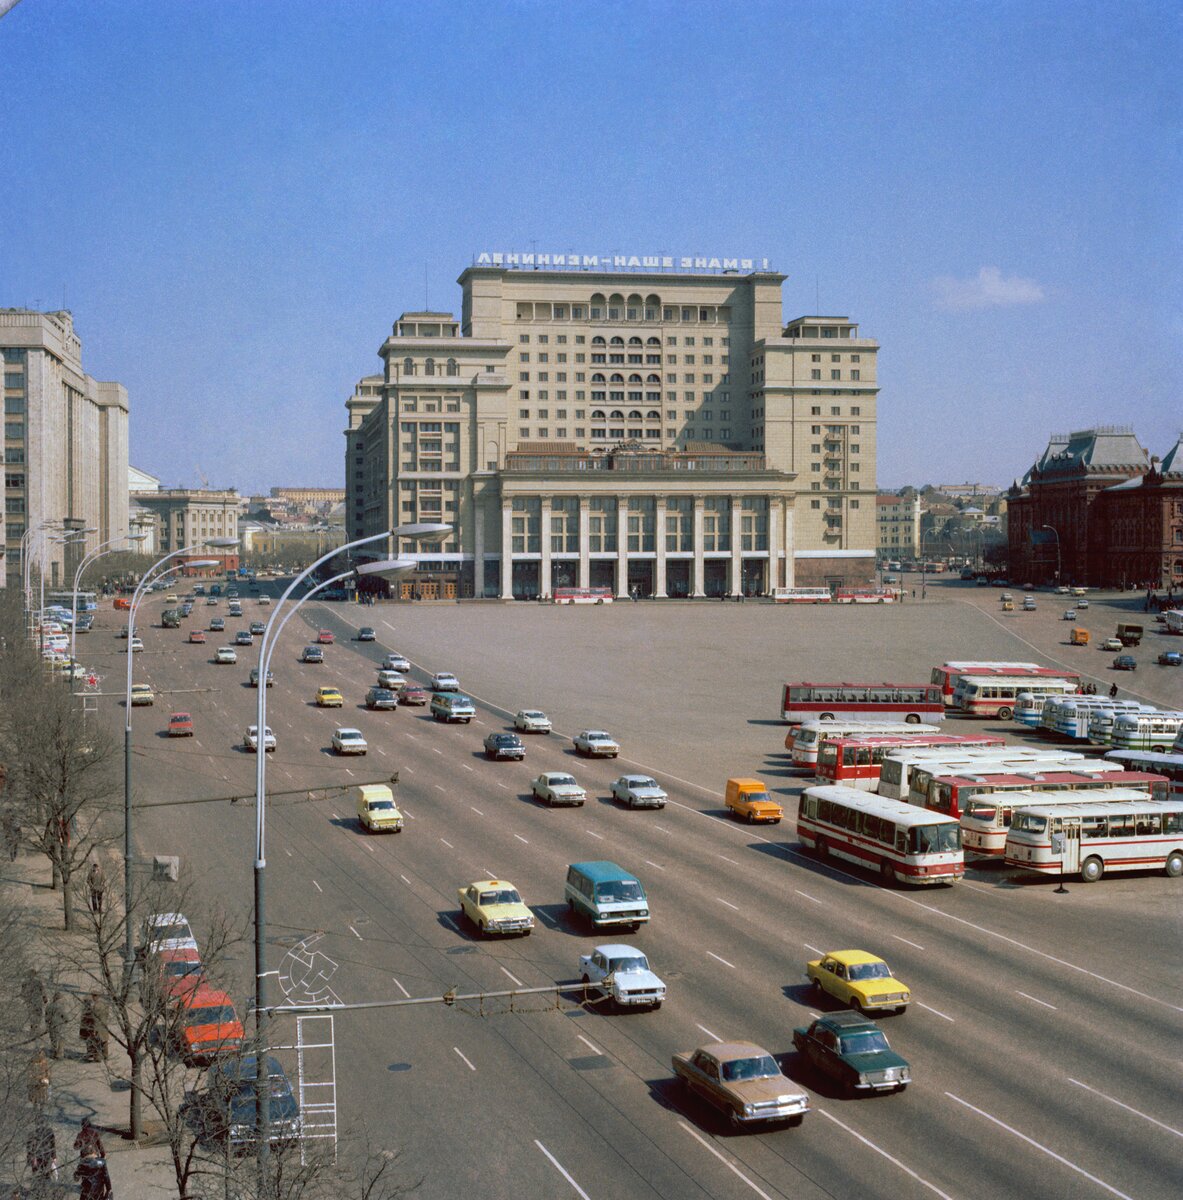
x: 206, y: 1024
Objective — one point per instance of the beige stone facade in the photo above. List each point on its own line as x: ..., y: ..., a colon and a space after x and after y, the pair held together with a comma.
x: 676, y: 409
x: 65, y: 440
x: 188, y: 517
x: 899, y: 526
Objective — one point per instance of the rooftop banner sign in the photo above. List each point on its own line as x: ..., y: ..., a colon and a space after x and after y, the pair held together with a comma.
x: 618, y: 262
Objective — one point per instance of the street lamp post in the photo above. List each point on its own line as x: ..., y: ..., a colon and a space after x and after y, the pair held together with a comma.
x: 1059, y: 564
x: 97, y: 552
x: 137, y: 595
x: 262, y: 1088
x: 66, y: 539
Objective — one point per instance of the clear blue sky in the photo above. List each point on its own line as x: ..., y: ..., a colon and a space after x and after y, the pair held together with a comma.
x: 236, y: 200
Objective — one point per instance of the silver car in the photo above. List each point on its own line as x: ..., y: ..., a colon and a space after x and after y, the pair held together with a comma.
x: 557, y: 787
x: 595, y: 743
x: 638, y: 791
x: 622, y: 973
x: 530, y: 720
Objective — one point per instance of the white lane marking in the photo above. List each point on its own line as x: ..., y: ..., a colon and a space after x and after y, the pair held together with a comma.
x: 650, y: 863
x: 348, y: 770
x: 405, y: 880
x: 906, y: 942
x: 477, y: 721
x: 520, y: 838
x: 1031, y: 1142
x: 503, y: 785
x: 447, y: 843
x: 380, y: 750
x: 317, y: 886
x: 1036, y: 1000
x: 590, y: 1045
x: 463, y: 1059
x: 409, y: 770
x: 466, y: 766
x: 662, y: 828
x: 401, y: 988
x: 807, y: 895
x: 813, y: 949
x: 595, y: 835
x: 439, y: 787
x: 558, y: 1166
x: 514, y: 978
x: 369, y: 846
x: 730, y: 860
x: 879, y: 1150
x: 408, y: 814
x: 725, y: 1161
x: 1105, y: 1096
x: 448, y: 921
x: 722, y: 960
x: 287, y: 852
x: 713, y: 1036
x: 728, y: 903
x: 336, y: 816
x: 934, y: 1011
x: 356, y: 934
x: 437, y: 750
x: 413, y: 735
x: 476, y: 810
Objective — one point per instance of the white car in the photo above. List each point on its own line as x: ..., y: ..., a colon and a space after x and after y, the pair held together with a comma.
x: 1069, y: 614
x: 135, y: 645
x: 638, y: 791
x: 251, y: 740
x: 1082, y: 604
x: 391, y: 679
x: 622, y: 973
x: 595, y: 743
x: 557, y: 787
x: 225, y: 654
x: 396, y: 662
x: 1112, y: 644
x: 1062, y: 590
x: 349, y: 741
x: 530, y: 720
x: 166, y: 931
x: 445, y: 681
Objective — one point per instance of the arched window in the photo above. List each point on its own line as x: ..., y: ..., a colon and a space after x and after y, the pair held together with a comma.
x: 453, y: 367
x: 408, y: 366
x: 429, y: 367
x: 598, y: 341
x: 617, y: 341
x: 653, y: 415
x: 598, y: 379
x: 634, y: 379
x: 597, y: 414
x: 653, y: 341
x: 617, y: 415
x: 634, y: 415
x: 652, y: 378
x: 617, y: 378
x: 635, y: 341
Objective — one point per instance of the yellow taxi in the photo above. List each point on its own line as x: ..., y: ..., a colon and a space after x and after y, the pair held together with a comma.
x: 859, y: 980
x: 495, y: 906
x: 329, y: 697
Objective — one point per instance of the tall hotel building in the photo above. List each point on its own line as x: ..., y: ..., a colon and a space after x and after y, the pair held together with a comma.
x: 662, y: 432
x: 65, y: 442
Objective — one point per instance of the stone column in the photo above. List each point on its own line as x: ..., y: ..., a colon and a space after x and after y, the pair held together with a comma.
x: 774, y: 542
x: 659, y: 574
x: 736, y: 548
x: 478, y: 546
x: 622, y: 548
x: 506, y: 549
x: 584, y: 542
x: 790, y: 541
x: 544, y: 566
x: 696, y: 588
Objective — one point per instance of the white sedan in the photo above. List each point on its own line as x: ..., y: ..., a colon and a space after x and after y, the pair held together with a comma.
x: 396, y: 662
x: 557, y: 787
x: 595, y: 743
x: 622, y: 973
x: 530, y: 720
x: 250, y: 740
x: 445, y: 681
x: 135, y: 645
x: 638, y: 791
x: 349, y: 741
x: 391, y: 679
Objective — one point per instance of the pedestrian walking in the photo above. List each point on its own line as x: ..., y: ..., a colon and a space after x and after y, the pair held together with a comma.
x: 92, y: 1028
x: 94, y: 1181
x: 1112, y: 691
x: 41, y: 1151
x: 89, y: 1143
x: 33, y: 993
x: 97, y: 883
x: 56, y: 1021
x: 12, y: 834
x: 39, y: 1080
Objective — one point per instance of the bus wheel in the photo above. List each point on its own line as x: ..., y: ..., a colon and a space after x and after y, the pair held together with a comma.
x: 821, y: 849
x: 1004, y: 713
x: 1091, y: 870
x: 887, y: 871
x: 913, y: 718
x: 827, y: 717
x: 1174, y: 867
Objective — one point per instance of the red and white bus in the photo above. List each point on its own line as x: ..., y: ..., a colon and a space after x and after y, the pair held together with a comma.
x: 988, y: 815
x: 1170, y: 766
x: 996, y: 695
x: 901, y: 842
x: 912, y: 703
x: 802, y: 595
x: 856, y: 761
x: 1021, y: 760
x: 1101, y: 836
x: 895, y: 776
x: 865, y: 596
x: 803, y: 740
x: 947, y: 674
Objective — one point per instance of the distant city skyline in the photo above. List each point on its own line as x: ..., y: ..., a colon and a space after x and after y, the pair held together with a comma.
x: 236, y: 223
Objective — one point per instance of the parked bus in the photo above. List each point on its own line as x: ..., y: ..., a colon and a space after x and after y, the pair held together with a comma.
x: 856, y: 761
x: 988, y: 817
x: 947, y: 675
x: 803, y: 740
x: 87, y: 601
x: 795, y: 595
x: 1012, y: 759
x: 995, y: 696
x: 1069, y: 716
x: 1144, y: 731
x: 895, y: 776
x: 910, y: 702
x: 1169, y: 765
x: 1173, y: 620
x: 1093, y: 838
x: 903, y: 843
x: 867, y: 595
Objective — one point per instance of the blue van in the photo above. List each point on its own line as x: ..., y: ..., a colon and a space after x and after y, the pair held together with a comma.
x: 606, y: 894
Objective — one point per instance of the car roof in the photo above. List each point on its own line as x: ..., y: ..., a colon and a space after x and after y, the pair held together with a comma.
x: 492, y: 883
x: 617, y: 950
x: 202, y: 994
x: 846, y: 1021
x: 725, y: 1051
x: 180, y: 716
x: 601, y: 871
x: 594, y: 733
x: 348, y: 731
x: 850, y: 957
x: 166, y: 918
x: 178, y: 954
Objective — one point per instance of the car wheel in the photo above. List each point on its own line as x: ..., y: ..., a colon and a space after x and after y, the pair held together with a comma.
x: 751, y: 818
x: 913, y: 718
x: 795, y: 1121
x: 655, y: 1005
x: 733, y: 1120
x: 901, y: 1087
x: 481, y: 929
x: 1004, y: 713
x: 1174, y: 867
x: 857, y: 1005
x: 1091, y: 870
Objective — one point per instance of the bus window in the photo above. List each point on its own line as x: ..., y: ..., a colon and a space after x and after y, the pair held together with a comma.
x: 1172, y: 822
x: 1148, y: 824
x: 1121, y: 826
x: 1092, y: 828
x: 934, y: 839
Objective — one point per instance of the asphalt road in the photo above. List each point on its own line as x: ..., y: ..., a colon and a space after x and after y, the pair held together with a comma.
x: 1043, y: 1038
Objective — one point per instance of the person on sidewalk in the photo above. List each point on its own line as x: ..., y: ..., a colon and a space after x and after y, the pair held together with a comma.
x: 92, y: 1028
x: 89, y: 1142
x: 96, y: 883
x: 56, y: 1023
x: 39, y: 1081
x: 41, y: 1154
x: 12, y: 834
x: 94, y: 1181
x: 33, y: 993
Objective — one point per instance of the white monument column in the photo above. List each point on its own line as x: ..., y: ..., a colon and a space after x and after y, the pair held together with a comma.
x: 622, y: 548
x: 506, y: 549
x: 696, y: 584
x: 584, y: 542
x: 736, y: 544
x: 478, y: 547
x: 659, y: 578
x: 544, y: 566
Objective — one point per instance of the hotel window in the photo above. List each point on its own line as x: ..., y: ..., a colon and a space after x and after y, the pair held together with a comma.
x: 688, y: 377
x: 856, y: 358
x: 598, y: 433
x: 543, y: 357
x: 543, y: 376
x: 560, y: 358
x: 708, y: 433
x: 716, y: 523
x: 855, y: 375
x: 524, y: 376
x: 815, y: 374
x: 543, y: 432
x: 562, y: 337
x: 835, y: 358
x: 815, y: 358
x: 560, y: 432
x: 580, y: 433
x: 543, y: 413
x: 815, y: 467
x: 525, y: 433
x: 816, y: 448
x: 523, y: 414
x: 599, y: 358
x: 856, y: 411
x: 524, y: 394
x: 854, y: 504
x: 543, y: 339
x: 854, y: 448
x: 708, y: 378
x: 815, y: 504
x: 671, y: 414
x: 616, y: 433
x: 835, y: 411
x: 753, y: 523
x: 835, y: 374
x: 523, y: 337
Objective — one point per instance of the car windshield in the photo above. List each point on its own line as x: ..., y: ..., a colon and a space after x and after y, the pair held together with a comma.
x: 981, y: 810
x: 637, y: 962
x: 644, y: 783
x: 861, y: 971
x: 934, y: 839
x: 215, y: 1014
x: 562, y: 781
x: 381, y: 806
x: 180, y: 969
x: 531, y: 715
x: 762, y: 1066
x: 864, y: 1043
x: 617, y: 890
x: 167, y: 933
x: 501, y: 896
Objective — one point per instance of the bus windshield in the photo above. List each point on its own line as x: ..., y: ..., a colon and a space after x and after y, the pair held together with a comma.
x: 981, y: 810
x: 1028, y: 823
x: 619, y: 890
x: 934, y: 839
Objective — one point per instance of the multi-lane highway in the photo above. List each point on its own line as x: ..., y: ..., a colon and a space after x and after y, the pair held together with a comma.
x: 1045, y: 1029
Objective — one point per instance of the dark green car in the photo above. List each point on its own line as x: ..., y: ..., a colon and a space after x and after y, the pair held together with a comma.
x: 854, y: 1052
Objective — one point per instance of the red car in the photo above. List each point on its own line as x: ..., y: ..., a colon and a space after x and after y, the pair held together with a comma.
x: 412, y: 693
x: 325, y: 637
x: 174, y: 971
x: 206, y: 1024
x: 197, y: 636
x: 180, y: 724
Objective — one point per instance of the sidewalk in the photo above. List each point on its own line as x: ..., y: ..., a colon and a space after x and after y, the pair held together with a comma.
x: 139, y: 1171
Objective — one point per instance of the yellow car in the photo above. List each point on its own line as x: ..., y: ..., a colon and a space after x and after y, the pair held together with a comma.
x: 141, y: 693
x: 859, y: 980
x: 495, y: 906
x: 329, y: 697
